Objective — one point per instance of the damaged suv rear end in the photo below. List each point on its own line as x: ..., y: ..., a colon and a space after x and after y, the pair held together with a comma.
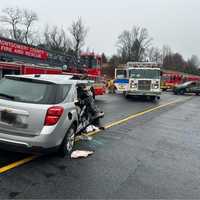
x: 37, y: 113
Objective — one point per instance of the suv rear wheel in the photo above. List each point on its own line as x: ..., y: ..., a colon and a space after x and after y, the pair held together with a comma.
x: 68, y: 143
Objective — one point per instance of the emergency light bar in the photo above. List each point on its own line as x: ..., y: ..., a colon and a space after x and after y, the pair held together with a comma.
x: 143, y: 65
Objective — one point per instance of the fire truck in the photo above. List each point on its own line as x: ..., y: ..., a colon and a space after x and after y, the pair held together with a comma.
x: 19, y: 58
x: 172, y: 78
x: 139, y: 79
x: 90, y: 65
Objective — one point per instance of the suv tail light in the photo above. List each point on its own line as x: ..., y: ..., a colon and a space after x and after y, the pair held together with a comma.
x: 53, y: 115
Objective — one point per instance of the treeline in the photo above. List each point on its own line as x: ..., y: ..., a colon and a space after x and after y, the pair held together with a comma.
x: 136, y: 45
x: 176, y: 62
x: 132, y: 45
x: 22, y: 25
x: 169, y: 61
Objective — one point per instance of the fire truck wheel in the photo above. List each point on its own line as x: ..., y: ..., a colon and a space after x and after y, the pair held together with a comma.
x: 126, y: 95
x: 152, y: 98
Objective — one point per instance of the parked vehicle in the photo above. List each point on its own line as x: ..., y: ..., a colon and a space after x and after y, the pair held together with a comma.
x: 188, y: 87
x: 40, y: 113
x: 139, y: 79
x: 172, y: 78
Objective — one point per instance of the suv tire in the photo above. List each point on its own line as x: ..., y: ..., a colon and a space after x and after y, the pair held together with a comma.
x: 68, y: 143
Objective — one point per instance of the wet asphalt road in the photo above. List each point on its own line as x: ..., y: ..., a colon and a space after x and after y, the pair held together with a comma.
x: 156, y: 155
x: 116, y: 107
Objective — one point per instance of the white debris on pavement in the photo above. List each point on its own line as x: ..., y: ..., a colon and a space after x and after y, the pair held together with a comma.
x: 84, y: 137
x: 81, y: 154
x: 91, y: 128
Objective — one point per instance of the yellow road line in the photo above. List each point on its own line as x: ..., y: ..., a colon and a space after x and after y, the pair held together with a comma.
x: 139, y: 114
x: 28, y: 159
x: 16, y: 164
x: 133, y: 116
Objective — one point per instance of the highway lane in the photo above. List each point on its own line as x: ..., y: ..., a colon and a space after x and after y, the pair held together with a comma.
x: 117, y: 107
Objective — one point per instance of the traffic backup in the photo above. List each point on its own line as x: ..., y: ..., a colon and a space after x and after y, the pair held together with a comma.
x: 139, y: 79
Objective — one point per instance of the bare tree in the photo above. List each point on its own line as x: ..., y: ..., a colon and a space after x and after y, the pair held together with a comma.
x: 19, y: 23
x: 29, y: 17
x: 12, y: 17
x: 174, y: 61
x: 166, y: 51
x: 56, y: 39
x: 132, y: 45
x: 154, y: 54
x: 79, y: 33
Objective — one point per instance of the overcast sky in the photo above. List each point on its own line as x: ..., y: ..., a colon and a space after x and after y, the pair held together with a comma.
x: 172, y: 22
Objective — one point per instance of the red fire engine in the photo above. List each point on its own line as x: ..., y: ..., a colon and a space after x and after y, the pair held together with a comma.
x: 173, y: 78
x: 23, y: 68
x: 93, y: 64
x: 19, y: 58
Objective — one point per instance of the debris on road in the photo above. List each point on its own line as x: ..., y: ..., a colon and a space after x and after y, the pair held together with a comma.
x: 92, y: 128
x: 84, y: 137
x: 81, y: 154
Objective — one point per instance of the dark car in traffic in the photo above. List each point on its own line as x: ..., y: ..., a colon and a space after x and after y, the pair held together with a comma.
x: 188, y: 87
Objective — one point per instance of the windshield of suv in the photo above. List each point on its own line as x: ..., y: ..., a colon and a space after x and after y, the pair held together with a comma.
x: 144, y: 73
x: 29, y: 91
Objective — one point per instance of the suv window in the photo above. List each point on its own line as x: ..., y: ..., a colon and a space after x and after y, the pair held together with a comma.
x: 27, y: 90
x: 62, y: 92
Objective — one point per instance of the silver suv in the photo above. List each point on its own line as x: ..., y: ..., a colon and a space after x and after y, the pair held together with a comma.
x: 38, y: 112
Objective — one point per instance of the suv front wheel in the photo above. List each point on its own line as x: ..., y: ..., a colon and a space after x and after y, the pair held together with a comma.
x: 68, y: 143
